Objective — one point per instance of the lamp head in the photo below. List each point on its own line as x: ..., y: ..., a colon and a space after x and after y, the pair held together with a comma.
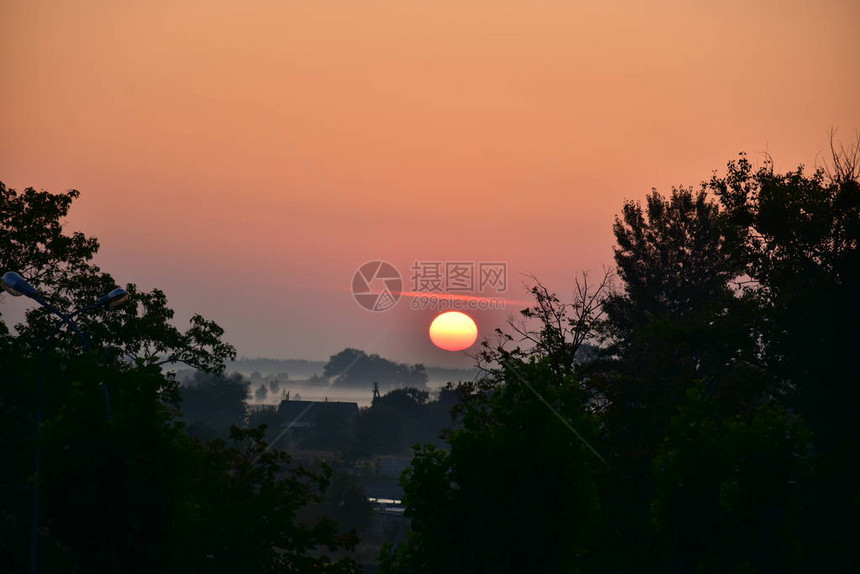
x: 115, y: 298
x: 15, y: 285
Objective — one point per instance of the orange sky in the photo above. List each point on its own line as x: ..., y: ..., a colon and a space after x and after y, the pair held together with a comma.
x: 428, y: 118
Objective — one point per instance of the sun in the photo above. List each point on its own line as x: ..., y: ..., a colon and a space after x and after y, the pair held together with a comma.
x: 453, y: 331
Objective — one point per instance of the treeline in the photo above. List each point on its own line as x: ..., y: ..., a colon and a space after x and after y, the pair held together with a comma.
x: 300, y: 370
x: 219, y: 401
x: 392, y: 424
x: 297, y: 368
x: 402, y: 418
x: 711, y: 425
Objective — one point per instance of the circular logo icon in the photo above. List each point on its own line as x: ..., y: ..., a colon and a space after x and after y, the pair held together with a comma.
x: 377, y: 286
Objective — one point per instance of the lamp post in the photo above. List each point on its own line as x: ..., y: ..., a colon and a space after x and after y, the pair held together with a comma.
x: 16, y: 285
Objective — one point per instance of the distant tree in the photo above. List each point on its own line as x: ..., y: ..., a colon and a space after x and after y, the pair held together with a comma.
x: 275, y: 382
x: 355, y: 368
x: 317, y: 380
x: 261, y: 392
x: 339, y: 363
x: 212, y: 403
x: 406, y: 399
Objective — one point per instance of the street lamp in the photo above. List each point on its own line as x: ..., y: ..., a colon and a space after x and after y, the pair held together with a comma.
x: 16, y: 285
x: 113, y: 299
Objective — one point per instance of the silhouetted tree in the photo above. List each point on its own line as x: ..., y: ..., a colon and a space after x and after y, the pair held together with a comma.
x: 242, y: 513
x: 675, y: 323
x: 130, y: 492
x: 261, y: 392
x: 355, y: 368
x: 330, y: 431
x: 729, y: 491
x: 400, y: 419
x: 717, y: 382
x: 267, y: 416
x: 212, y: 403
x: 799, y: 237
x: 345, y: 501
x: 515, y: 490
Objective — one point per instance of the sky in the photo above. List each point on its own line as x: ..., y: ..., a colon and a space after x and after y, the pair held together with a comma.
x: 248, y: 157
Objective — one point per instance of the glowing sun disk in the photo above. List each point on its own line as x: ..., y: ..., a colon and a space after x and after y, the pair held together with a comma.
x: 453, y: 331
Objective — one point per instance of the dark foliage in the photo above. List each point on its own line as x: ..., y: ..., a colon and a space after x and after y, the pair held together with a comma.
x: 717, y: 386
x: 121, y: 487
x: 212, y: 403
